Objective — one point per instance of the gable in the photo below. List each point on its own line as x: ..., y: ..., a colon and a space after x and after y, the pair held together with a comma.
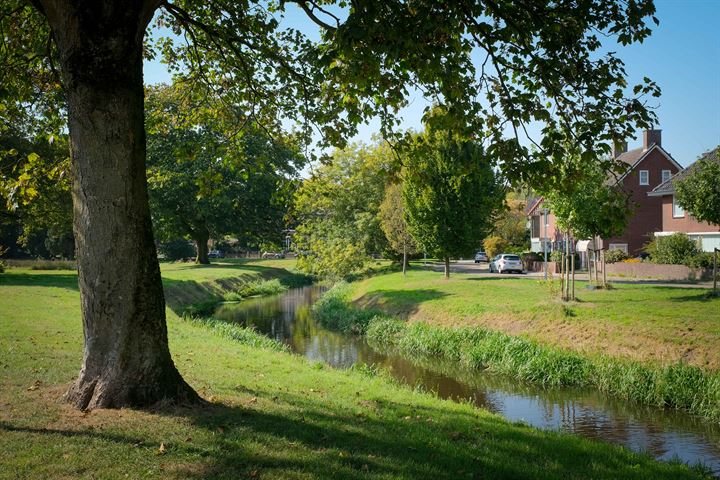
x: 647, y: 155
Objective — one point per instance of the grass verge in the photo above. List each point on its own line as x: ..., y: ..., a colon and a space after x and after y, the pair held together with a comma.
x: 272, y: 414
x: 679, y: 386
x: 647, y: 323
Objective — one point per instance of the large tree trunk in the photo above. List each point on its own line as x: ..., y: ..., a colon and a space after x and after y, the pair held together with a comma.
x: 201, y: 248
x: 447, y: 267
x: 126, y: 361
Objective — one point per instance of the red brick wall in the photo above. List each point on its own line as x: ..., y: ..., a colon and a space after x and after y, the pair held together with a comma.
x: 685, y: 224
x: 648, y: 215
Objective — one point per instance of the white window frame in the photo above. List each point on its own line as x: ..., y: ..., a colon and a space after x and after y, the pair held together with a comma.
x: 618, y: 246
x: 666, y: 174
x: 647, y: 177
x: 677, y: 208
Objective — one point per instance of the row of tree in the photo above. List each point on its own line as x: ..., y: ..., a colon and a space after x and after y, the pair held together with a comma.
x: 439, y: 195
x: 210, y: 173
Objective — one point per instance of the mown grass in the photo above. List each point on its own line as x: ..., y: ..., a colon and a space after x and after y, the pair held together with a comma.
x: 646, y: 323
x: 271, y: 414
x: 679, y: 385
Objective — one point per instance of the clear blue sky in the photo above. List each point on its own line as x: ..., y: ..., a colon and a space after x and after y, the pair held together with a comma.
x: 682, y: 56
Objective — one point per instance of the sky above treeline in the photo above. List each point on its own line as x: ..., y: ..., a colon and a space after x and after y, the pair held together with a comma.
x: 682, y: 56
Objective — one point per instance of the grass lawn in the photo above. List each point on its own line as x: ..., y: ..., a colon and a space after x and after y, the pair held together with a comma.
x: 643, y: 322
x: 272, y: 414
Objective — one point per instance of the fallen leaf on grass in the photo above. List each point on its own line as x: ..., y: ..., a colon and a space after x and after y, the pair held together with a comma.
x: 162, y: 449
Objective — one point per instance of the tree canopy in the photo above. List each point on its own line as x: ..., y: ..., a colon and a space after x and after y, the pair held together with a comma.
x: 208, y: 181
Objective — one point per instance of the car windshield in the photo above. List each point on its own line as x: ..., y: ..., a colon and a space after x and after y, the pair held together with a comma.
x: 511, y: 257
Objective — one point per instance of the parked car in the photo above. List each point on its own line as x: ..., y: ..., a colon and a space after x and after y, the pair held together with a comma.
x: 216, y: 254
x: 506, y: 262
x: 481, y: 257
x: 273, y: 255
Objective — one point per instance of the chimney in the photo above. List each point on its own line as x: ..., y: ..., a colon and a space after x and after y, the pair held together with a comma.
x: 652, y: 137
x: 618, y: 148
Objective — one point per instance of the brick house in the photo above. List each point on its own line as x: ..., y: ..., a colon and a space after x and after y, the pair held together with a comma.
x: 675, y: 219
x: 648, y: 167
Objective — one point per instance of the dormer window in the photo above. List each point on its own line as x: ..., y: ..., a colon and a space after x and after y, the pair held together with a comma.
x: 644, y: 177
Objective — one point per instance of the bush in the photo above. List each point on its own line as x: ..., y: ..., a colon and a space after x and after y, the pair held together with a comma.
x: 700, y: 260
x: 615, y: 255
x: 494, y: 245
x: 260, y: 287
x: 675, y: 249
x: 177, y: 249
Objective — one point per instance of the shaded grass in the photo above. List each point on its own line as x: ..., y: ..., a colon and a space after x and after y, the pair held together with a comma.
x: 272, y: 415
x: 679, y: 386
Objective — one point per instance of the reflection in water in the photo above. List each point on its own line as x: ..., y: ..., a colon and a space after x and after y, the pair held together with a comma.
x: 664, y: 434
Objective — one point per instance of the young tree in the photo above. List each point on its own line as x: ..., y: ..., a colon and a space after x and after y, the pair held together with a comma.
x: 392, y: 221
x: 698, y: 192
x: 543, y: 65
x: 451, y: 194
x: 588, y: 204
x: 206, y: 181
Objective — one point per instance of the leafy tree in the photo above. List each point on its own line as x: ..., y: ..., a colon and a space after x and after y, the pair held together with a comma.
x: 587, y: 203
x: 82, y: 60
x: 394, y: 225
x: 511, y: 222
x: 337, y: 210
x: 451, y: 194
x: 204, y: 184
x: 494, y: 245
x: 35, y: 183
x: 699, y: 191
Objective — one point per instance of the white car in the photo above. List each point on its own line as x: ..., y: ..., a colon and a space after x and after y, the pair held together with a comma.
x: 506, y: 262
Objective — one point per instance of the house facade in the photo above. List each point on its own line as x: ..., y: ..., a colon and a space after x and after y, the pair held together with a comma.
x: 675, y: 219
x: 648, y: 167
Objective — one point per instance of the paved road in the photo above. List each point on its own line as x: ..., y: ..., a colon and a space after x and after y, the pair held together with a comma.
x: 482, y: 270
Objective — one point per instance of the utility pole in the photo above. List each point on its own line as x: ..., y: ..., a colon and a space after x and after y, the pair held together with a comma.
x: 544, y: 242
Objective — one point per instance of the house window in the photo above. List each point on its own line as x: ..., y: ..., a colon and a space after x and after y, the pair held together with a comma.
x: 644, y: 177
x: 678, y: 211
x: 665, y: 175
x: 619, y: 246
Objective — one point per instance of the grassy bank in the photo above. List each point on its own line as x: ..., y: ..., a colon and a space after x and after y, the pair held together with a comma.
x: 677, y: 385
x: 272, y: 414
x: 647, y: 323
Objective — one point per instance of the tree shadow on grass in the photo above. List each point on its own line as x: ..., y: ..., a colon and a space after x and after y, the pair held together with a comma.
x: 40, y: 279
x: 702, y: 296
x: 399, y: 302
x: 276, y: 433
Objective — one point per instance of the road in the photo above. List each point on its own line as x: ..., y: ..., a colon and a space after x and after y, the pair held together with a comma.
x: 481, y: 270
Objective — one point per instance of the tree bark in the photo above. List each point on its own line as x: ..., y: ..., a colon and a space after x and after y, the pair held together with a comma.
x: 404, y: 260
x: 201, y: 248
x: 126, y: 359
x: 447, y: 267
